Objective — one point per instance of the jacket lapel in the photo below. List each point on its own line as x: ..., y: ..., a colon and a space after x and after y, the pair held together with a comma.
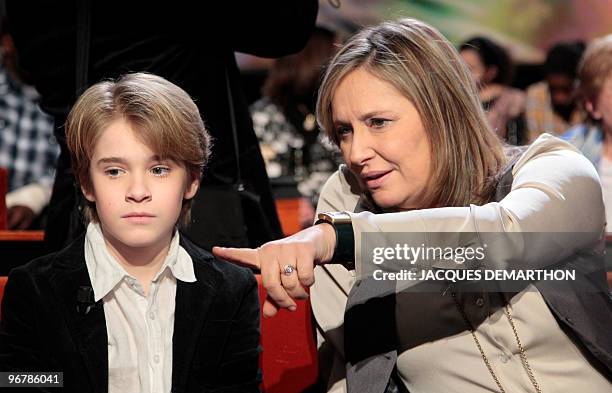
x: 370, y: 308
x: 193, y: 301
x: 85, y: 318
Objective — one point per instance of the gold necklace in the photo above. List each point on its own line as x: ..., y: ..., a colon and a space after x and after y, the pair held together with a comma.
x: 484, y: 357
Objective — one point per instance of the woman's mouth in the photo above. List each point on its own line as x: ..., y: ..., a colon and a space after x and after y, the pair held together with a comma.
x: 374, y: 179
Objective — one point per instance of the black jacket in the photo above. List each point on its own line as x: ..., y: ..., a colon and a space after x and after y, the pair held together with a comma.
x: 216, y: 326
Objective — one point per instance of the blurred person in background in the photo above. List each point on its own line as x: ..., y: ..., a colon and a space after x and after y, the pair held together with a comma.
x: 492, y: 70
x: 28, y: 149
x: 551, y: 104
x: 284, y: 121
x: 594, y: 136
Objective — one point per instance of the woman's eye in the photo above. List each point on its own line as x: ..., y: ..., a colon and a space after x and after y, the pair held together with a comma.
x: 343, y: 131
x: 113, y: 172
x: 160, y: 171
x: 377, y: 122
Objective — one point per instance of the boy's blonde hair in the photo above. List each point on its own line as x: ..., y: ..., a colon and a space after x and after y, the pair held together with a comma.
x: 162, y: 114
x: 422, y: 65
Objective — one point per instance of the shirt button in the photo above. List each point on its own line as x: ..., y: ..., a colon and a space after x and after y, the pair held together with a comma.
x: 503, y: 358
x: 151, y: 315
x: 480, y: 302
x: 156, y: 358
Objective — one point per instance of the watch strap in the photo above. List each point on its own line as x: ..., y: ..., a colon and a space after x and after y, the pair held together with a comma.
x: 344, y: 252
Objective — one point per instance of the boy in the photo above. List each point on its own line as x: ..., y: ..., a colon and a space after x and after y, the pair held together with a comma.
x: 132, y: 306
x: 594, y: 136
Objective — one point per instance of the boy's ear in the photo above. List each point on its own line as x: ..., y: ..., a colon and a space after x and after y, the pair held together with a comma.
x: 590, y: 106
x: 192, y: 187
x: 88, y: 194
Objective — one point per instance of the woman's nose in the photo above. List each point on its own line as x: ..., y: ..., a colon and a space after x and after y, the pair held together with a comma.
x: 361, y: 149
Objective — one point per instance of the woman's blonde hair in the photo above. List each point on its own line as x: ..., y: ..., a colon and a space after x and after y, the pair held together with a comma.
x: 595, y: 67
x: 162, y: 114
x: 422, y: 65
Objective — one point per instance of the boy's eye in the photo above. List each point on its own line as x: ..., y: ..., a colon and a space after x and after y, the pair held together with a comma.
x: 160, y: 170
x: 113, y: 172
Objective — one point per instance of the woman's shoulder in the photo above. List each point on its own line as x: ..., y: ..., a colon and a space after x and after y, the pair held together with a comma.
x: 554, y: 150
x: 341, y: 192
x: 546, y: 143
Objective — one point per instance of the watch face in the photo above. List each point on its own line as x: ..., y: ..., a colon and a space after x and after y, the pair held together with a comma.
x: 336, y: 217
x: 324, y: 217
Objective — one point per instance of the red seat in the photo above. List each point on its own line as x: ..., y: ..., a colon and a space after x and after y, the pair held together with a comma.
x: 293, y: 213
x: 3, y: 191
x: 289, y: 352
x: 2, y: 284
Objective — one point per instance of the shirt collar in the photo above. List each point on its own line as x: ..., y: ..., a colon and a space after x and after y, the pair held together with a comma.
x: 105, y: 272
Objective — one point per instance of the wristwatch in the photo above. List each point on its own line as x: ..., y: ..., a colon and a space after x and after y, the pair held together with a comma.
x: 344, y: 253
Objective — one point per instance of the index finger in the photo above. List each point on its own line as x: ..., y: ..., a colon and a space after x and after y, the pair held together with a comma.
x: 245, y: 256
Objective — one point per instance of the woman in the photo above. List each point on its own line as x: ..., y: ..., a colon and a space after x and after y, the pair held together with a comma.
x: 420, y: 158
x: 491, y: 68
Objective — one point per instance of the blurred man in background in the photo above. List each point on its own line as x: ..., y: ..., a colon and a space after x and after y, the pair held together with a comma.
x: 551, y: 104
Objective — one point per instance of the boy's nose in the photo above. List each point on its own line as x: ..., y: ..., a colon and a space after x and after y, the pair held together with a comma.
x: 138, y: 191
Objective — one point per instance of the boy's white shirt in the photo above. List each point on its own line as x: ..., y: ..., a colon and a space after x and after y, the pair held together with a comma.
x: 139, y: 327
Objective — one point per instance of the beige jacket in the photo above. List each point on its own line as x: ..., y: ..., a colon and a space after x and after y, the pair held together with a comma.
x: 555, y: 189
